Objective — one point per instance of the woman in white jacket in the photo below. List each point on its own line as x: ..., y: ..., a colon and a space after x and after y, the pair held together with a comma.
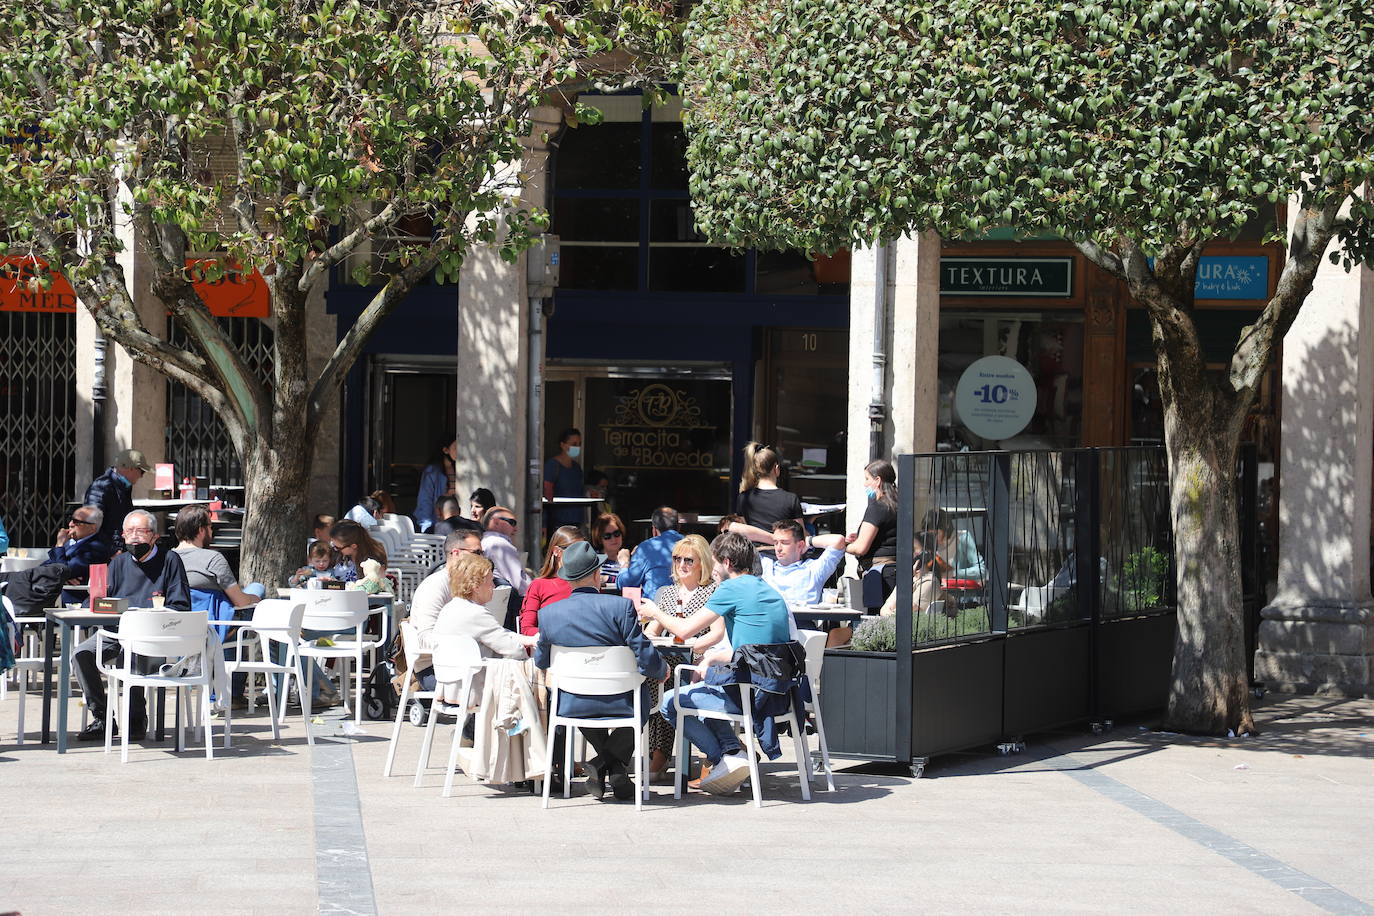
x: 472, y: 582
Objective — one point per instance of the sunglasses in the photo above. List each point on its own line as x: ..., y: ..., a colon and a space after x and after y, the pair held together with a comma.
x: 686, y: 561
x: 509, y: 521
x: 80, y: 521
x: 610, y: 534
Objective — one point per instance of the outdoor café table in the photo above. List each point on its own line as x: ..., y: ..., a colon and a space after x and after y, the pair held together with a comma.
x: 827, y: 612
x: 68, y: 619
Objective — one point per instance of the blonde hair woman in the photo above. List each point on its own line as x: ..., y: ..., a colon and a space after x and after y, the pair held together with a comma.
x: 691, y: 587
x: 473, y: 581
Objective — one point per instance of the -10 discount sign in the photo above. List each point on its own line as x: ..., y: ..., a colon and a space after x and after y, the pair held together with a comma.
x: 995, y: 398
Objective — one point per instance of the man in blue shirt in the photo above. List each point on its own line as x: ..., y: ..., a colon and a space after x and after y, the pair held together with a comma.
x: 754, y: 614
x: 651, y: 566
x: 800, y: 580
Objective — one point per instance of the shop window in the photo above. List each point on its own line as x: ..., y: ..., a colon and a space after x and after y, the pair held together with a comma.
x: 1049, y: 345
x: 603, y: 267
x: 806, y: 392
x: 695, y: 269
x: 605, y: 155
x: 668, y: 169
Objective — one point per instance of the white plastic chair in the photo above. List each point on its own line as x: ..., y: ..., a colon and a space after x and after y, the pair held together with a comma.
x: 29, y: 661
x: 171, y: 635
x: 338, y: 611
x: 595, y: 671
x: 457, y: 659
x: 500, y: 599
x: 813, y: 642
x: 410, y: 640
x: 276, y: 621
x: 745, y: 722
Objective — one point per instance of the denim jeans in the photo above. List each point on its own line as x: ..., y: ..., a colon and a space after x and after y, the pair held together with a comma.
x: 714, y: 737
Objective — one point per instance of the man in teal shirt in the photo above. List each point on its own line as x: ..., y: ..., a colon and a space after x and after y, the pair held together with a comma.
x: 754, y: 614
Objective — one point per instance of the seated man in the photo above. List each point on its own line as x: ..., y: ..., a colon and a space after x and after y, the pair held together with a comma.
x: 589, y: 618
x: 140, y: 572
x: 754, y: 614
x: 651, y: 564
x: 500, y: 525
x: 430, y: 597
x: 79, y: 547
x: 449, y: 512
x: 801, y: 580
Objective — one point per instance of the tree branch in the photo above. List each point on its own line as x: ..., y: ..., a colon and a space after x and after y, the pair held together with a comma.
x: 396, y: 289
x: 341, y: 249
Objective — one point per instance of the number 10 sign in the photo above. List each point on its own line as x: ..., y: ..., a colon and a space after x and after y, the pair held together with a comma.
x: 995, y: 398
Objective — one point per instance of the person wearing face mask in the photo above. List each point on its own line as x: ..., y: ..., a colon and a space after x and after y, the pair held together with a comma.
x: 140, y: 572
x: 875, y: 544
x: 563, y: 477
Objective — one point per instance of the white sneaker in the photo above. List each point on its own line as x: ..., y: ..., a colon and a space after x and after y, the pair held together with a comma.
x: 727, y: 776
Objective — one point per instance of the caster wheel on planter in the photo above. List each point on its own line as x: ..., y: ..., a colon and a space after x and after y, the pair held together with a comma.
x: 416, y: 713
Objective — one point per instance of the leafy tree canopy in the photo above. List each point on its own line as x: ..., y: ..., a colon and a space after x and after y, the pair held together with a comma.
x: 816, y: 123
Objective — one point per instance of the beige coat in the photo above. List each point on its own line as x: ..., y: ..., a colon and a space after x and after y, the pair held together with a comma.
x: 508, y: 701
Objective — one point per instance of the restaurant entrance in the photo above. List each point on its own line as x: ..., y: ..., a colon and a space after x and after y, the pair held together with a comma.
x: 411, y: 412
x: 660, y: 434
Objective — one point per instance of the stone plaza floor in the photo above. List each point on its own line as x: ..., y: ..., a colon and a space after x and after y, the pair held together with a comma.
x: 1129, y: 821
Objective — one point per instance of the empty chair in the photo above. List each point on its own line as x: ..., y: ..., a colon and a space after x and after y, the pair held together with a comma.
x: 28, y: 661
x: 595, y: 671
x: 410, y: 640
x: 276, y: 623
x: 457, y: 660
x: 177, y: 636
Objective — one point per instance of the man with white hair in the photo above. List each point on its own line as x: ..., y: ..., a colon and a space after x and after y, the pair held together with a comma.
x: 140, y: 572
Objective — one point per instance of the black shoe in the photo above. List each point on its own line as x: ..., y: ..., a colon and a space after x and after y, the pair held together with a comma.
x: 96, y: 730
x: 622, y: 786
x: 596, y: 781
x: 137, y: 731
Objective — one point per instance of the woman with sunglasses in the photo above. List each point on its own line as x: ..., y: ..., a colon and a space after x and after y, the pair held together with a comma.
x: 691, y: 587
x: 549, y: 587
x: 608, y: 537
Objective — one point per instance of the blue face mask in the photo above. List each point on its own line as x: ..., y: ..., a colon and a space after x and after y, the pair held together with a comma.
x: 870, y: 492
x: 574, y: 451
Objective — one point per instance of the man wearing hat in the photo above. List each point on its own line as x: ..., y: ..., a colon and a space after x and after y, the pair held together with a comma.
x: 589, y: 618
x: 113, y: 493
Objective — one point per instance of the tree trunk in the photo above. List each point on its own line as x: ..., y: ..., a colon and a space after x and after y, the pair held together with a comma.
x: 276, y: 477
x: 1210, y: 693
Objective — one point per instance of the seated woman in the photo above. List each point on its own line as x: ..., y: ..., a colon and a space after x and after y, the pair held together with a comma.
x: 608, y: 537
x: 956, y: 547
x: 928, y: 573
x: 472, y: 582
x: 549, y: 587
x: 691, y: 587
x: 352, y: 544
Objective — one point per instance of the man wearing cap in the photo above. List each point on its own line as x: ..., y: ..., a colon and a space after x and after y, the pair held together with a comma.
x: 113, y: 493
x: 589, y: 618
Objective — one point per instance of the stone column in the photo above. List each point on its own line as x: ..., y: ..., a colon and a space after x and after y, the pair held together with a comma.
x: 321, y: 335
x: 1317, y: 635
x: 868, y: 266
x: 915, y: 342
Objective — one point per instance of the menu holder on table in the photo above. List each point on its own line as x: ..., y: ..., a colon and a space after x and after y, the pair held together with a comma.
x: 110, y: 605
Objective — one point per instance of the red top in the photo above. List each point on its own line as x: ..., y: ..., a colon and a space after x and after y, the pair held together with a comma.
x: 542, y: 592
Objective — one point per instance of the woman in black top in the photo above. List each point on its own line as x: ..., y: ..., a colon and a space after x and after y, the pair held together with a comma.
x: 761, y: 501
x: 876, y: 542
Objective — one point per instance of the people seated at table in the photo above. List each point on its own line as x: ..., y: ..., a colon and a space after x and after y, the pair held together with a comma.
x: 875, y: 543
x: 438, y: 479
x: 651, y: 564
x: 692, y: 585
x: 761, y: 500
x: 142, y: 571
x: 449, y: 512
x: 319, y: 561
x: 352, y: 545
x: 956, y: 547
x: 754, y: 614
x: 113, y: 493
x: 800, y: 579
x: 608, y: 537
x: 563, y: 477
x: 472, y: 583
x: 548, y: 587
x: 928, y: 573
x: 589, y: 618
x: 499, y: 525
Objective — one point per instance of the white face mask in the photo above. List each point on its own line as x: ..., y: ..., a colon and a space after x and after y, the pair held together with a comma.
x: 574, y: 451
